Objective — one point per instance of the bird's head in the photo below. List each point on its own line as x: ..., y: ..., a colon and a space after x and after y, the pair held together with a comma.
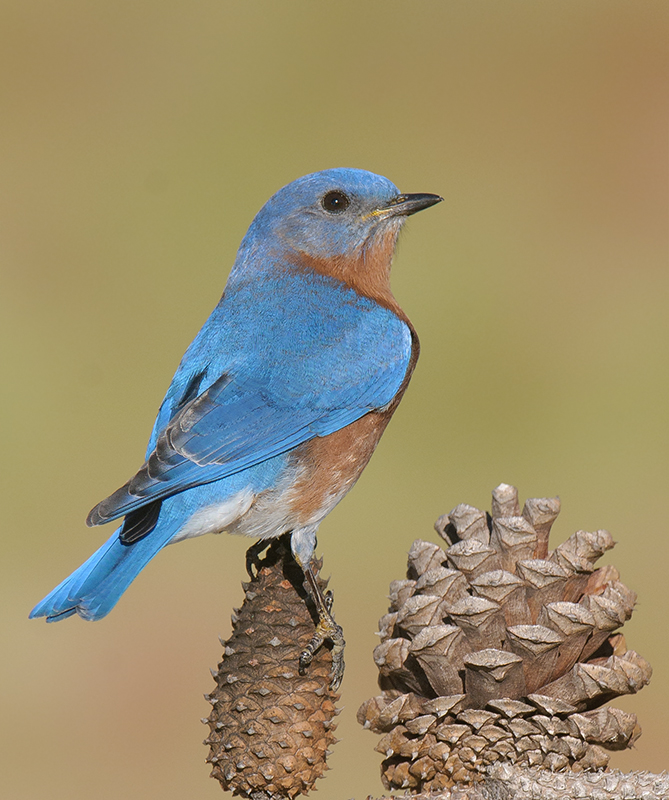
x: 339, y: 222
x: 333, y: 213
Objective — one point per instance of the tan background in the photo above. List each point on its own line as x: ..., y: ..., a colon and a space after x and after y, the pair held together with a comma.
x: 139, y: 137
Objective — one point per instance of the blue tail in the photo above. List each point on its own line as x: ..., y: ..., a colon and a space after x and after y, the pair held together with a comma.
x: 94, y: 589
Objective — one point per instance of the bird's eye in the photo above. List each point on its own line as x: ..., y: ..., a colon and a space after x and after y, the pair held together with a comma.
x: 335, y: 202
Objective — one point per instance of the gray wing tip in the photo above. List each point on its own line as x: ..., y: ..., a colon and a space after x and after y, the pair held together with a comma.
x: 111, y: 507
x: 108, y: 509
x: 116, y: 505
x: 94, y: 517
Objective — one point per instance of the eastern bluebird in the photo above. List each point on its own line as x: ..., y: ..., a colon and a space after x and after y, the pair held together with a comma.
x: 281, y: 399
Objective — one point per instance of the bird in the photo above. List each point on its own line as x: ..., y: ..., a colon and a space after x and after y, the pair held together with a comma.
x: 280, y: 400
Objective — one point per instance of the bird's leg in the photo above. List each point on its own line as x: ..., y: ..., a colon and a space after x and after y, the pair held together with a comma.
x: 326, y: 628
x: 253, y: 556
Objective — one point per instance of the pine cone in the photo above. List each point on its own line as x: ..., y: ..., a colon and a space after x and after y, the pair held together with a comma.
x: 271, y: 727
x: 496, y: 649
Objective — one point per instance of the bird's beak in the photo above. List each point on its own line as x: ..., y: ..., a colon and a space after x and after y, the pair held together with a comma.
x: 405, y: 204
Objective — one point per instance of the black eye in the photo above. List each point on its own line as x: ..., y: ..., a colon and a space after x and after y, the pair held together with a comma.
x: 335, y: 202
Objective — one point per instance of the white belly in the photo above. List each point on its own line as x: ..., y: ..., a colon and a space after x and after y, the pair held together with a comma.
x: 216, y: 518
x: 262, y: 516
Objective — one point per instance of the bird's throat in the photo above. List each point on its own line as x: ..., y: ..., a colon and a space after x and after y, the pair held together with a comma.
x: 366, y: 270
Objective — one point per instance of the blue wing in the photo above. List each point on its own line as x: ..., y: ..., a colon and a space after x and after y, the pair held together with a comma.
x: 270, y: 380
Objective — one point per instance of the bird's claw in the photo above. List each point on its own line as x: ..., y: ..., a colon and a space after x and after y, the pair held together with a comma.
x: 253, y: 557
x: 327, y: 629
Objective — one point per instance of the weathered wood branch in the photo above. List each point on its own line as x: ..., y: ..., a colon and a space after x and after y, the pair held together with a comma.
x: 510, y: 782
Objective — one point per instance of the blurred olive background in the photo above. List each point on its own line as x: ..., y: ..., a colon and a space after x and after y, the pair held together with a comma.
x: 138, y: 140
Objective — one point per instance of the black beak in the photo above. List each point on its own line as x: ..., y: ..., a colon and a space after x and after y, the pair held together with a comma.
x: 406, y: 204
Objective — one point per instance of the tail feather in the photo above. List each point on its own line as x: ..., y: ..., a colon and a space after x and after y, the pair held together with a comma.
x: 94, y: 589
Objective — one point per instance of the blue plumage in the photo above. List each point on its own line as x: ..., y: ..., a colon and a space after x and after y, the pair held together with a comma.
x: 263, y: 401
x: 306, y: 340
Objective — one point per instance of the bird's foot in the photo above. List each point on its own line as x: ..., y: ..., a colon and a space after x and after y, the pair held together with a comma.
x: 326, y: 630
x: 253, y: 557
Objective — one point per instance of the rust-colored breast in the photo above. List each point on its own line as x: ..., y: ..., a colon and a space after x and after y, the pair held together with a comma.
x: 332, y: 464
